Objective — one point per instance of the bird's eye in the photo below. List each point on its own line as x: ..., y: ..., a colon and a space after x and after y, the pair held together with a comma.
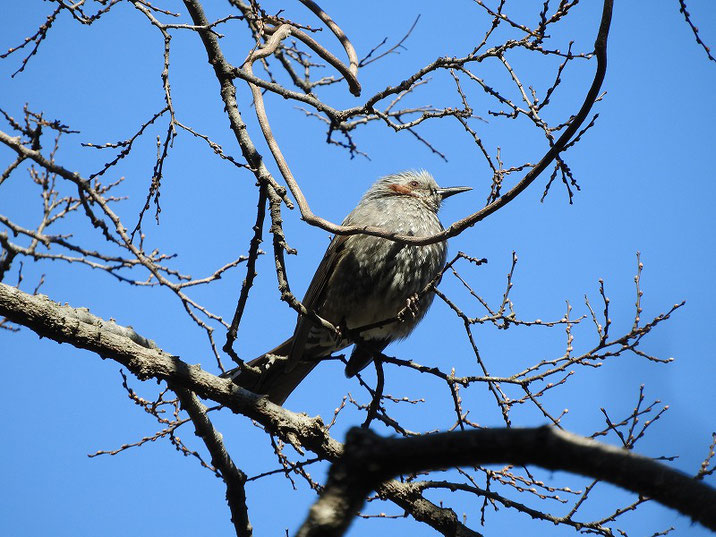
x: 414, y: 184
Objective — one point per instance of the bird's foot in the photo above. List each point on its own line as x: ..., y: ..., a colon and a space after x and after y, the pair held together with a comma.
x: 410, y: 311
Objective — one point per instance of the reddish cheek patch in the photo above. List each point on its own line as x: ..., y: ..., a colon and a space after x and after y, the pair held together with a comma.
x: 400, y: 189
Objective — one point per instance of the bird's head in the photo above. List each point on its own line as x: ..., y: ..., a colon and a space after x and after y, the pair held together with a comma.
x: 415, y: 185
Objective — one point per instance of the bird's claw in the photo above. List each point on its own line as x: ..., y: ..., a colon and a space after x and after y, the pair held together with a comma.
x: 411, y: 308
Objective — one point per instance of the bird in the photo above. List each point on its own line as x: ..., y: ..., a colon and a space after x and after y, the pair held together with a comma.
x: 361, y: 285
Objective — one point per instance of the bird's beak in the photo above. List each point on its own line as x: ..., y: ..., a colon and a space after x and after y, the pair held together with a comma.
x: 451, y: 190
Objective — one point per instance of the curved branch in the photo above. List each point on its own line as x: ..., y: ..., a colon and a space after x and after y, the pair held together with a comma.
x: 328, y: 21
x: 314, y: 45
x: 600, y: 50
x: 226, y: 72
x: 369, y: 459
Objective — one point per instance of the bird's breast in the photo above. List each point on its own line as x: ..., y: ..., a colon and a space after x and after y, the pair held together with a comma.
x: 376, y: 277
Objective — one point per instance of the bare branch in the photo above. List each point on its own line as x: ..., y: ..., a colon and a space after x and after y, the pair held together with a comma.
x: 86, y: 331
x: 368, y: 460
x: 695, y: 30
x: 232, y: 476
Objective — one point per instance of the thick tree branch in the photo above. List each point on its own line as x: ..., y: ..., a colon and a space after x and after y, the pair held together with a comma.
x: 141, y: 356
x: 83, y: 330
x: 369, y: 459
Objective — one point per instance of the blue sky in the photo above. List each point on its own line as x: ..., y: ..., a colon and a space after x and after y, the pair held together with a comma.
x: 646, y: 177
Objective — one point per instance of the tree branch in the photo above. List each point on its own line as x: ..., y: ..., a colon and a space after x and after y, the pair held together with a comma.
x: 347, y: 45
x: 600, y: 50
x: 225, y: 72
x: 234, y: 478
x: 141, y: 356
x: 369, y: 459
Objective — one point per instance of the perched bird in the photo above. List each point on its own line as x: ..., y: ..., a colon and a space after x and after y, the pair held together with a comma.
x: 361, y: 281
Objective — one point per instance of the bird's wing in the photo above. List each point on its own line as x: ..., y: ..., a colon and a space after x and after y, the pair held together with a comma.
x: 314, y: 296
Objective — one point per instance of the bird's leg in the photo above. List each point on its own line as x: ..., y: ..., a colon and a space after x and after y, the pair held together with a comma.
x: 342, y: 330
x: 250, y: 374
x: 273, y: 358
x: 410, y: 309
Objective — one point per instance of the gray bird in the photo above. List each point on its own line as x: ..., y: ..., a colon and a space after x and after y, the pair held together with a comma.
x: 361, y: 281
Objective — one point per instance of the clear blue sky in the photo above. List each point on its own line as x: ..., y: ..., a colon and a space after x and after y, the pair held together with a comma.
x: 647, y: 184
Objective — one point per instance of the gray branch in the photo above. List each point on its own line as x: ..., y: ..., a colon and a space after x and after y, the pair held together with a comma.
x: 234, y: 478
x: 83, y: 330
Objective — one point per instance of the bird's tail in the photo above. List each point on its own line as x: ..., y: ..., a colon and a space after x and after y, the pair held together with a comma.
x: 269, y: 375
